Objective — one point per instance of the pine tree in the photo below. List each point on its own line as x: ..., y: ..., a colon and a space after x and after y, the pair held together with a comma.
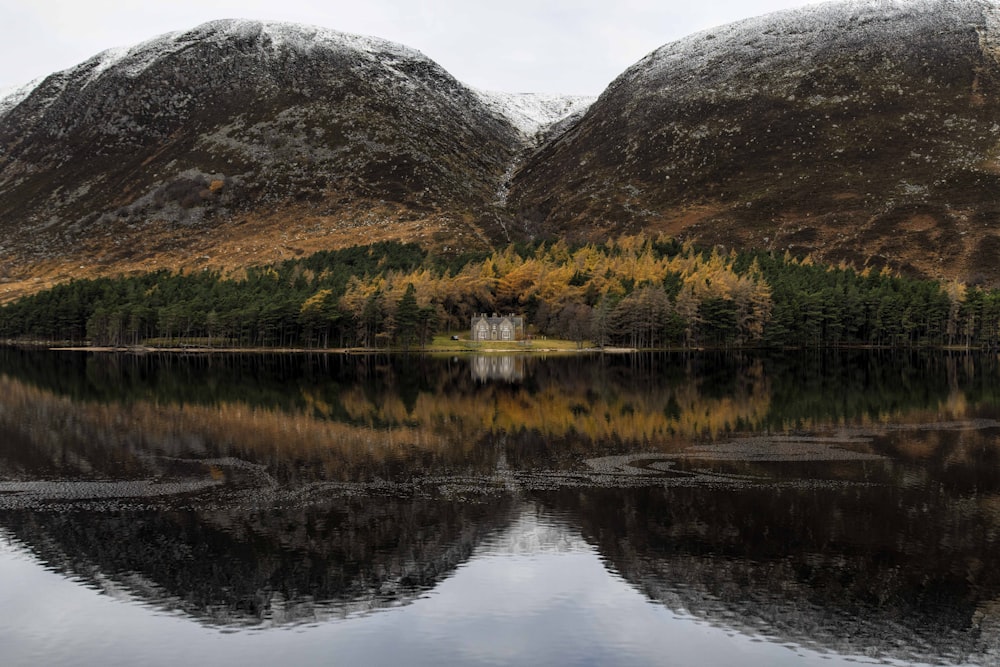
x: 407, y: 317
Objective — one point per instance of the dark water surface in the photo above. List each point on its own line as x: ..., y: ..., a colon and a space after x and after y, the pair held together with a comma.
x: 823, y: 508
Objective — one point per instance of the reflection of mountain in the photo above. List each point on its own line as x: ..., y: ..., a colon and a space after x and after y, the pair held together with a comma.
x: 855, y: 572
x: 335, y: 485
x: 877, y: 571
x: 274, y: 567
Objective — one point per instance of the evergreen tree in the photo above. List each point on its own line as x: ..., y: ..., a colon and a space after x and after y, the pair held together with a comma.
x: 408, y: 317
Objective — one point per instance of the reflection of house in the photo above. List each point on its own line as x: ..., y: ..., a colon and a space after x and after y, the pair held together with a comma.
x: 497, y: 327
x: 506, y: 367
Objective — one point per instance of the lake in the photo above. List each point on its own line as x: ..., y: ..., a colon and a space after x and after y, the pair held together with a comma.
x: 638, y: 509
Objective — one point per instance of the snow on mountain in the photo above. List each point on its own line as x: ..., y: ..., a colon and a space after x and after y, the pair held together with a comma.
x: 864, y: 132
x: 533, y: 113
x: 219, y: 124
x: 11, y: 97
x: 278, y: 36
x: 762, y: 46
x: 826, y: 129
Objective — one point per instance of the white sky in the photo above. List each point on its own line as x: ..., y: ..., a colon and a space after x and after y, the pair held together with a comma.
x: 546, y: 46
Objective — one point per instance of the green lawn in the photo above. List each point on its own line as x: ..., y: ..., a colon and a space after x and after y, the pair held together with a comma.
x: 444, y: 343
x: 441, y: 343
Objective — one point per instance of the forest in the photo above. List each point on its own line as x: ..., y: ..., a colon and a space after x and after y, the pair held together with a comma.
x: 637, y: 291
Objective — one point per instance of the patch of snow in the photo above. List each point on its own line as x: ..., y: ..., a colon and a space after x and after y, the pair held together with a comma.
x: 304, y: 37
x: 764, y: 45
x: 279, y: 36
x: 530, y: 114
x: 133, y: 60
x: 11, y: 97
x: 533, y: 113
x: 105, y: 60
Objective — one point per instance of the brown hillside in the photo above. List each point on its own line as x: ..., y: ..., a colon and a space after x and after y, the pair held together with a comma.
x: 859, y: 132
x: 862, y: 132
x: 242, y: 142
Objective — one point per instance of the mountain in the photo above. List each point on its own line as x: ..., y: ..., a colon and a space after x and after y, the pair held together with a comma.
x: 862, y: 131
x: 240, y: 142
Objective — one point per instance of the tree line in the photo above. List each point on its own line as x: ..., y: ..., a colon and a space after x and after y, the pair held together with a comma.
x: 637, y: 291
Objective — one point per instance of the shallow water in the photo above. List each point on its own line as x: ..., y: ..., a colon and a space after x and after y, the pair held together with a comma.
x: 646, y: 509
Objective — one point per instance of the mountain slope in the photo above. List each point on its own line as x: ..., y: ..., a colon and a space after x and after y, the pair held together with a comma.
x: 860, y: 131
x: 866, y: 132
x: 239, y: 142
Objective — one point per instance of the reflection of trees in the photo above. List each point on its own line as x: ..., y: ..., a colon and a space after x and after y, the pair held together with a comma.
x: 831, y: 562
x: 42, y: 434
x: 330, y: 418
x: 273, y: 567
x: 880, y: 571
x: 959, y: 456
x: 870, y: 386
x: 372, y: 429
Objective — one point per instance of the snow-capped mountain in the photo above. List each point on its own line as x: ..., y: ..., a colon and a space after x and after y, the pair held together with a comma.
x: 860, y: 131
x: 241, y: 140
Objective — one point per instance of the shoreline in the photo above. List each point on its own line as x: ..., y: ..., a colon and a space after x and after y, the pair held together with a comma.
x: 568, y: 348
x: 142, y: 349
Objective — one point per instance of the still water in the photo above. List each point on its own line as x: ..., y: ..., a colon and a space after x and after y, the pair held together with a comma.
x: 826, y: 508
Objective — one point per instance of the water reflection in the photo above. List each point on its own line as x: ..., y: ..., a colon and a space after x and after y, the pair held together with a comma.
x: 262, y: 568
x: 879, y: 573
x: 277, y: 407
x: 532, y: 593
x: 507, y: 367
x: 842, y: 503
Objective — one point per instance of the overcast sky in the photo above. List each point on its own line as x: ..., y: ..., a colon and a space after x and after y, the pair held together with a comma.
x: 554, y: 46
